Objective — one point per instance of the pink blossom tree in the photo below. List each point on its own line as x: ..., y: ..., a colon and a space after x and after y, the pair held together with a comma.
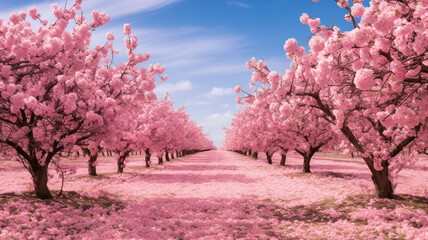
x: 56, y: 92
x: 158, y: 128
x: 278, y: 125
x: 370, y: 83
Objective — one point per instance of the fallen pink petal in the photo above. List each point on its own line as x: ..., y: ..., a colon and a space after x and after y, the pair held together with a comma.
x: 228, y: 119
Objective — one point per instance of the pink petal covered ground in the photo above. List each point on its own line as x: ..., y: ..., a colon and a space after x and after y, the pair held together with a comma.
x: 216, y: 195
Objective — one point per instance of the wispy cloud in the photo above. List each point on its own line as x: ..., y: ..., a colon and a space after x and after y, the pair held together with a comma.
x: 114, y: 8
x: 218, y: 91
x: 239, y: 4
x: 218, y: 119
x: 120, y: 8
x: 195, y: 49
x: 173, y: 87
x: 43, y: 7
x: 196, y: 103
x: 226, y: 68
x: 214, y: 123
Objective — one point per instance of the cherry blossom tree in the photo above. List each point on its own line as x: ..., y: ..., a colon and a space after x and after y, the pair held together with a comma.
x: 277, y: 125
x: 57, y: 92
x: 370, y: 83
x: 157, y: 128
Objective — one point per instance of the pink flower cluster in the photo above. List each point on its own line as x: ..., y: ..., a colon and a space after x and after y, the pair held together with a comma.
x: 362, y: 91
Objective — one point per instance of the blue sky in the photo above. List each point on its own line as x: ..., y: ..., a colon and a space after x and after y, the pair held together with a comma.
x: 204, y: 44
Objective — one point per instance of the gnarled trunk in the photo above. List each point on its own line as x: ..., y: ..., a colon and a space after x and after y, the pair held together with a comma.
x: 147, y: 157
x: 40, y: 181
x: 92, y: 170
x: 166, y: 156
x: 120, y: 163
x: 283, y: 158
x: 269, y: 157
x: 383, y: 186
x: 306, y: 163
x: 307, y: 156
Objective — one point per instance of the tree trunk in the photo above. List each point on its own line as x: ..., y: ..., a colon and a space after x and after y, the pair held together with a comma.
x: 166, y: 156
x: 160, y: 160
x: 40, y: 181
x: 92, y: 170
x: 283, y: 158
x: 269, y: 157
x: 307, y: 156
x: 255, y: 155
x: 147, y: 157
x: 306, y: 164
x: 120, y: 163
x: 249, y: 153
x: 172, y: 155
x: 383, y: 186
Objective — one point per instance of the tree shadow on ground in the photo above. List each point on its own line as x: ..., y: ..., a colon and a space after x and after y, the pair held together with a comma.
x: 321, y: 174
x: 67, y: 198
x: 220, y: 218
x: 345, y: 175
x: 320, y: 212
x: 333, y: 166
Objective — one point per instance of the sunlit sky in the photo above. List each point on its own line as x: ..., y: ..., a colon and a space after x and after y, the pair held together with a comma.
x: 204, y: 44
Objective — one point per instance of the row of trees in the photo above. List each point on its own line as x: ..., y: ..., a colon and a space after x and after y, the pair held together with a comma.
x: 363, y: 90
x: 58, y: 94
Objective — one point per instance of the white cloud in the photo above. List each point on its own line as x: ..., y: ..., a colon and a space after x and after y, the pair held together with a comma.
x: 196, y: 103
x: 44, y: 8
x: 222, y: 68
x: 173, y: 87
x: 218, y: 91
x: 120, y: 8
x: 114, y: 8
x: 195, y: 49
x: 218, y: 119
x: 239, y: 4
x: 214, y: 124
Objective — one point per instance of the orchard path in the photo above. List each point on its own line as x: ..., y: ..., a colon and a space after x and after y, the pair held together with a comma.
x: 209, y: 195
x: 224, y: 175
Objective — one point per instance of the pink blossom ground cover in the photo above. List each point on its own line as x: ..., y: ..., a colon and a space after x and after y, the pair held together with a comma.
x: 215, y: 195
